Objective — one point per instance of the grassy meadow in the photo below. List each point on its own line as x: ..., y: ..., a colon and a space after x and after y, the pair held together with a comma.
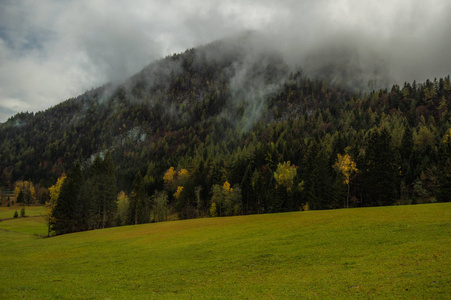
x: 30, y: 211
x: 364, y: 253
x: 33, y: 223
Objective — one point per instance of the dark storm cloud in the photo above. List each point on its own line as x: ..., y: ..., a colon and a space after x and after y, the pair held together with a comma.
x: 52, y: 50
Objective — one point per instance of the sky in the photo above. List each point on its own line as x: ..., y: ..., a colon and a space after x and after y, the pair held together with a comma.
x: 52, y: 50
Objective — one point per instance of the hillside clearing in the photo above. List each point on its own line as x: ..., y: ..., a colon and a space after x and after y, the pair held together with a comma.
x: 382, y: 252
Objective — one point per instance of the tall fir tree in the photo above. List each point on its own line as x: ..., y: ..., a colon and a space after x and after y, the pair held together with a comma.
x: 139, y: 204
x: 319, y: 185
x: 444, y: 170
x: 101, y: 207
x: 67, y: 211
x: 407, y: 163
x: 380, y: 174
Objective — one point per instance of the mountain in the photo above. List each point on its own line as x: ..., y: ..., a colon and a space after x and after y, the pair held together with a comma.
x: 232, y: 111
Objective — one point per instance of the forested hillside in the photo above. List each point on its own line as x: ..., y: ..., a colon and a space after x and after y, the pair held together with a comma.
x: 229, y: 128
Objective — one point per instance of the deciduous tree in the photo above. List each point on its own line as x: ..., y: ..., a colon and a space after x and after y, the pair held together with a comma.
x: 347, y: 167
x: 54, y: 192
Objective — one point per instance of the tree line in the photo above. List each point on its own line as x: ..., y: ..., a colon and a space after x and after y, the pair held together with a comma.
x: 305, y: 145
x: 260, y: 182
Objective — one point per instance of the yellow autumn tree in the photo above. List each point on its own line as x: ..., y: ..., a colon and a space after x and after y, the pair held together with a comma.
x: 54, y: 192
x: 178, y: 192
x: 172, y: 178
x: 284, y: 175
x: 24, y: 191
x: 182, y: 174
x: 227, y: 187
x: 169, y: 176
x: 347, y: 167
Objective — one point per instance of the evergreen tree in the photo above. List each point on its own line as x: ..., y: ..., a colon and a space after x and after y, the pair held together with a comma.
x: 319, y: 184
x: 66, y: 212
x: 102, y: 188
x: 380, y: 173
x: 109, y: 205
x: 444, y: 167
x: 20, y: 197
x: 407, y: 163
x: 139, y: 205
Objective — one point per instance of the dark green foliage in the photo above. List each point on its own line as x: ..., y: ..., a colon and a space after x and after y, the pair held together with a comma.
x: 22, y: 212
x: 89, y: 203
x: 234, y: 118
x: 380, y: 172
x: 160, y: 206
x: 318, y: 179
x: 444, y: 173
x: 102, y: 181
x: 20, y: 197
x: 16, y: 214
x: 139, y: 203
x: 68, y: 211
x: 407, y: 164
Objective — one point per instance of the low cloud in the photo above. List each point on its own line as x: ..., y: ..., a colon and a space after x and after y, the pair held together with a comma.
x: 52, y: 50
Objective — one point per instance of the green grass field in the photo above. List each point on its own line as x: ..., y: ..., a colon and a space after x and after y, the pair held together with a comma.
x: 8, y: 212
x: 384, y: 252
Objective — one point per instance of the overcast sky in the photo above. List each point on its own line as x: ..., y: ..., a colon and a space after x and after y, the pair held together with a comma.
x: 51, y: 50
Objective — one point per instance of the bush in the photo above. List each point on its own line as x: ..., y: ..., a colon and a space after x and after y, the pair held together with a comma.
x: 16, y: 214
x: 22, y: 212
x: 213, y: 211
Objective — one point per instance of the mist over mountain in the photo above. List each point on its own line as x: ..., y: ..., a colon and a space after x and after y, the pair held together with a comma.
x: 237, y: 109
x: 52, y: 50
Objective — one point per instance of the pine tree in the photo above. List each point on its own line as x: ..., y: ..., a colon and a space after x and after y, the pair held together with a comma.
x: 20, y: 197
x: 102, y: 189
x: 319, y: 185
x: 380, y: 173
x: 444, y: 169
x: 139, y: 206
x: 67, y: 210
x: 109, y: 205
x: 407, y: 167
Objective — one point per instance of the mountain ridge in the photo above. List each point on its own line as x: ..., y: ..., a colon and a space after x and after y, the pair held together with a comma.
x: 219, y: 103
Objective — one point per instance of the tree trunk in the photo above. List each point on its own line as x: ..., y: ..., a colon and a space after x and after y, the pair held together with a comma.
x: 347, y: 198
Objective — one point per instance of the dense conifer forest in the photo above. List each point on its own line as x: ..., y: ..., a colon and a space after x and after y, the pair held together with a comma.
x: 227, y: 129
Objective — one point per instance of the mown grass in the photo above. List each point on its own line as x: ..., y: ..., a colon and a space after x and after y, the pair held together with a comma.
x: 8, y: 212
x: 384, y: 252
x: 33, y: 223
x: 29, y: 225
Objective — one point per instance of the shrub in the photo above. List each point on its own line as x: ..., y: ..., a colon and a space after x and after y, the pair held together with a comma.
x: 213, y: 211
x: 16, y: 214
x: 22, y: 212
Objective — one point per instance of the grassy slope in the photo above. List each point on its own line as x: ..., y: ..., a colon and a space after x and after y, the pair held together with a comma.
x: 34, y: 223
x: 383, y: 252
x: 8, y: 212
